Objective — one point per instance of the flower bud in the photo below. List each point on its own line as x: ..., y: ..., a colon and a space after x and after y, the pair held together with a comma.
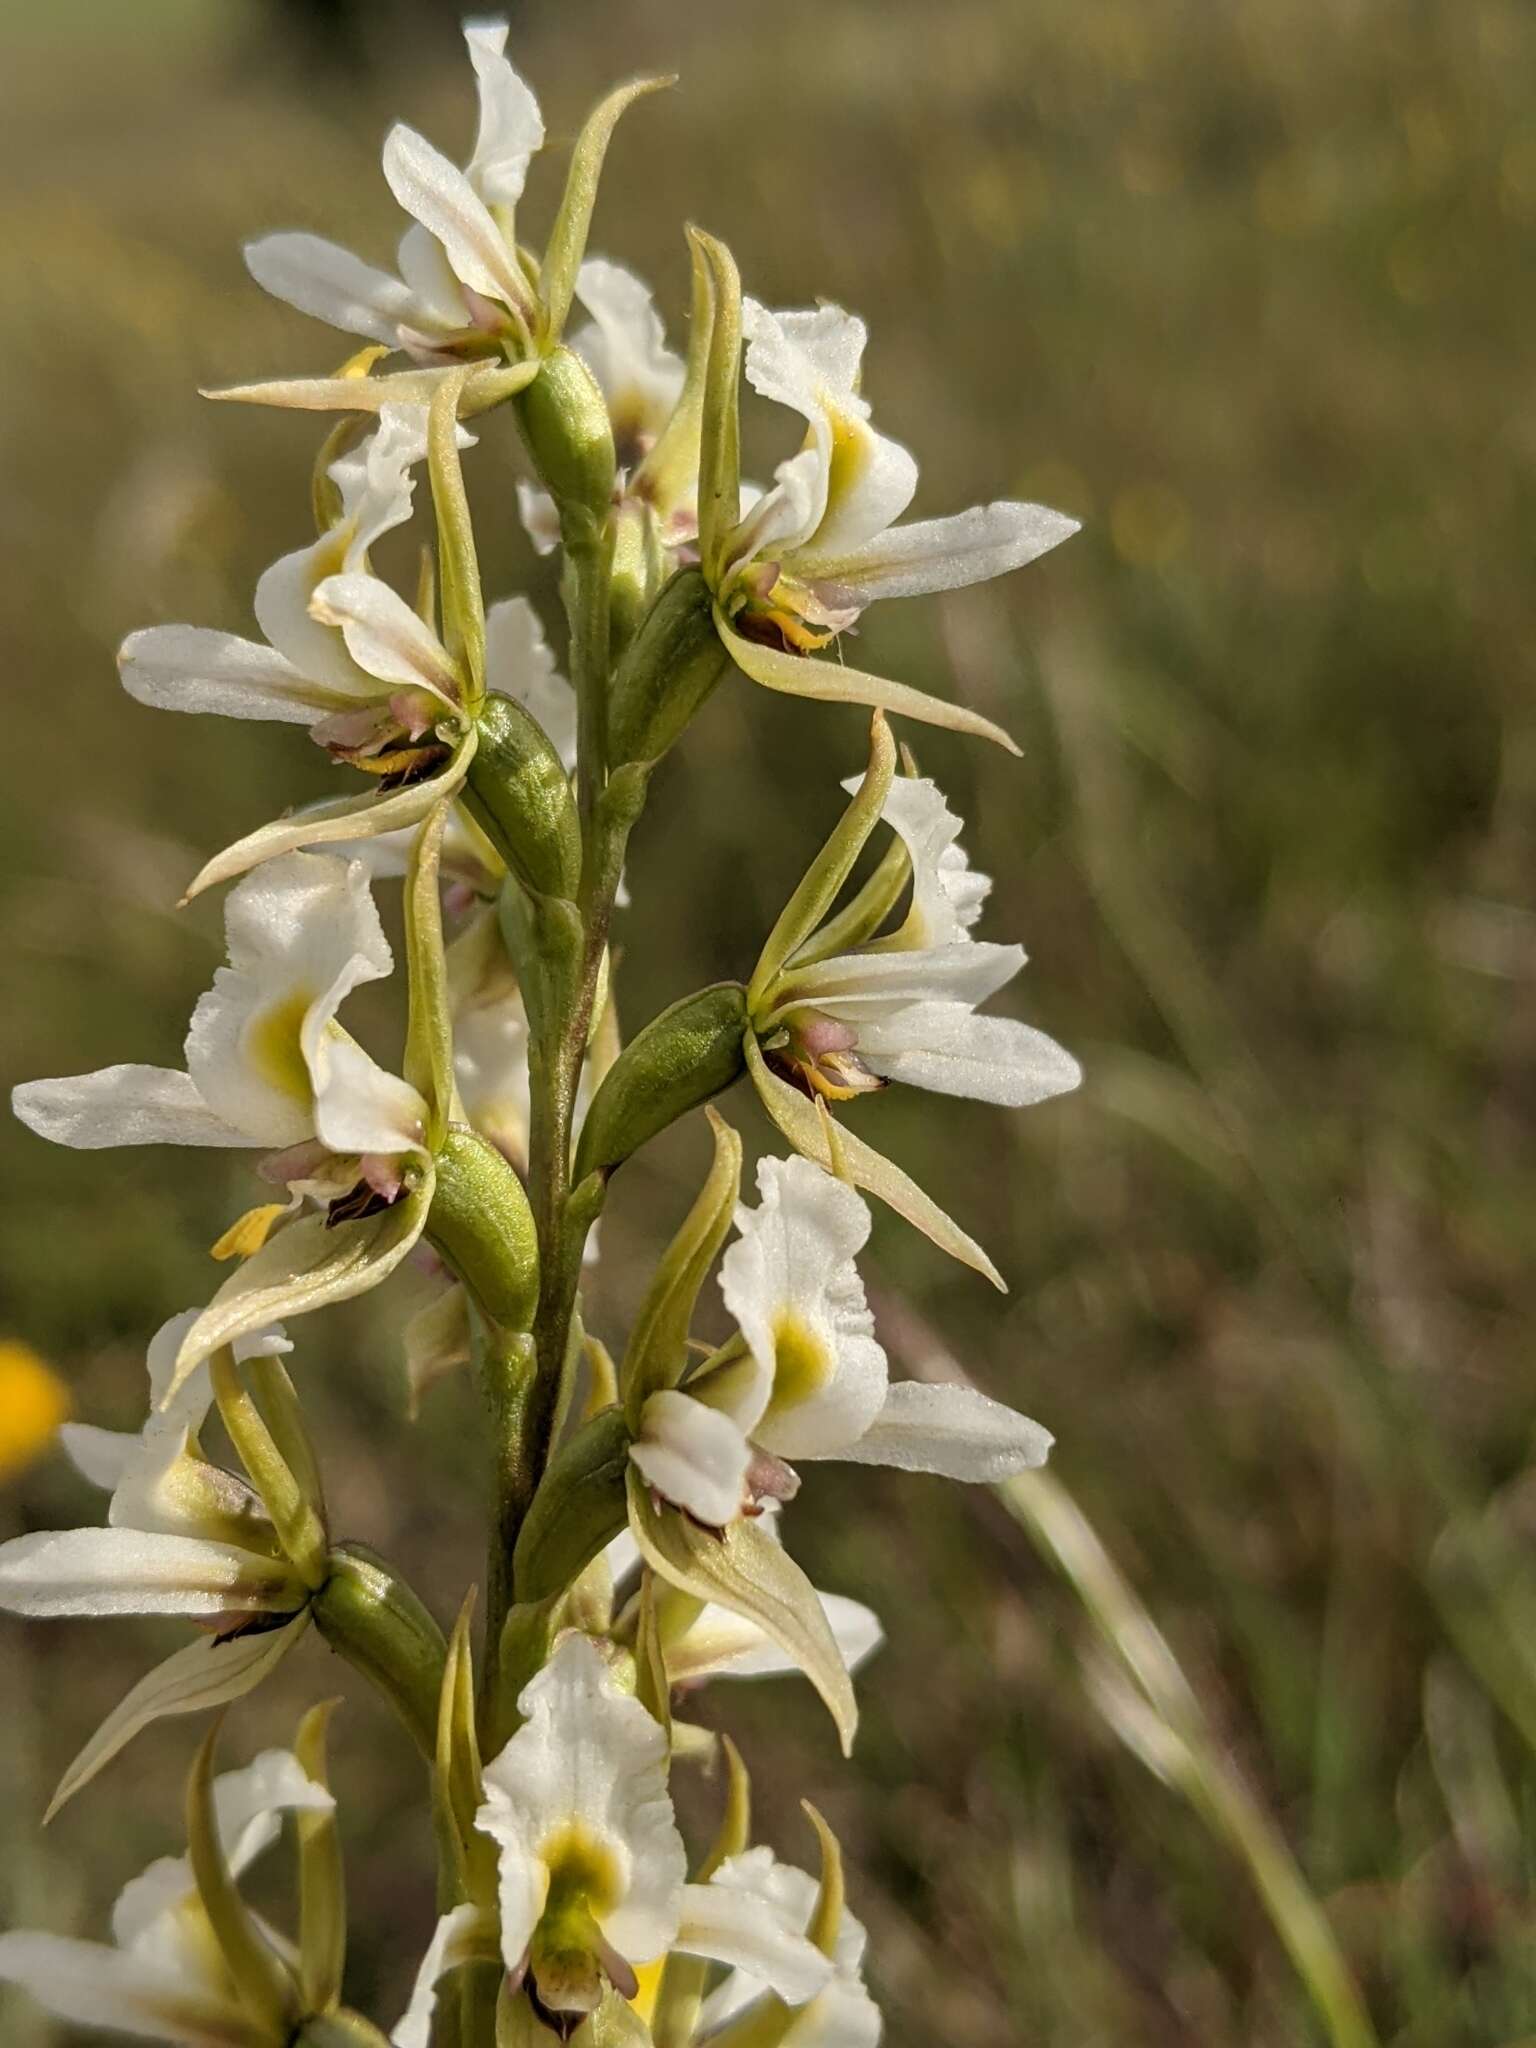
x: 683, y: 1057
x: 481, y: 1223
x: 518, y: 793
x: 566, y: 430
x: 670, y: 667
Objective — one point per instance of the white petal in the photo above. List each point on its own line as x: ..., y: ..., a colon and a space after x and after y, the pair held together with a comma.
x: 358, y: 1106
x: 805, y: 360
x: 128, y: 1571
x: 281, y: 605
x: 302, y: 932
x: 519, y: 664
x: 591, y: 1756
x: 722, y: 1644
x: 730, y: 1926
x: 459, y: 1937
x: 511, y: 127
x: 788, y: 1896
x: 844, y: 2016
x: 425, y: 267
x: 939, y: 554
x: 867, y: 987
x: 791, y: 1284
x: 947, y: 894
x: 811, y: 361
x: 248, y: 1804
x: 693, y: 1456
x: 207, y: 1673
x: 437, y: 193
x: 331, y: 284
x: 540, y: 517
x: 384, y: 636
x: 781, y: 517
x: 946, y: 1047
x: 191, y: 668
x: 953, y: 1431
x: 374, y: 478
x: 100, y: 1455
x: 123, y: 1106
x: 625, y: 348
x: 91, y: 1985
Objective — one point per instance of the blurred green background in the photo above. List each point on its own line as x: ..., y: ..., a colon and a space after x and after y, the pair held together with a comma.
x: 1248, y: 289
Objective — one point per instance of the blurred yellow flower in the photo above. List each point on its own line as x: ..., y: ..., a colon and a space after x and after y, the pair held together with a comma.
x: 33, y: 1402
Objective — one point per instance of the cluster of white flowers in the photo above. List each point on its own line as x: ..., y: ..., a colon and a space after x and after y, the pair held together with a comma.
x: 636, y: 1547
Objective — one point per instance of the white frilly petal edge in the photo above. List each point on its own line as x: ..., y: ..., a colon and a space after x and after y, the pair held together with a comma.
x: 729, y: 1926
x: 463, y: 1936
x: 91, y: 1985
x: 366, y: 815
x: 125, y: 1105
x: 956, y: 1432
x: 208, y: 1673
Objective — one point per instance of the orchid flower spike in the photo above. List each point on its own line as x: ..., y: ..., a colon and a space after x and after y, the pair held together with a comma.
x: 344, y: 655
x: 806, y: 1378
x: 183, y: 1537
x: 164, y: 1976
x: 592, y: 1870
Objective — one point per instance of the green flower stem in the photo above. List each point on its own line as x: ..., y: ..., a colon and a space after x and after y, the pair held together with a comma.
x: 506, y: 1365
x: 589, y: 562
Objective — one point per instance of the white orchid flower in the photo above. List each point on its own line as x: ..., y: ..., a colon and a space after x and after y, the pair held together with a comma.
x: 268, y: 1066
x: 344, y: 655
x: 716, y: 1642
x: 624, y: 346
x: 904, y: 1007
x: 822, y: 542
x: 807, y: 1378
x: 842, y: 2015
x: 162, y: 1977
x: 460, y: 285
x: 592, y: 1870
x: 183, y: 1537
